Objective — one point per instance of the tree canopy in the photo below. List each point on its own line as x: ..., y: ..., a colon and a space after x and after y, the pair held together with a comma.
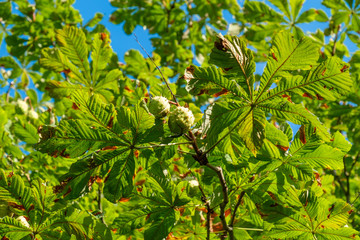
x: 191, y: 141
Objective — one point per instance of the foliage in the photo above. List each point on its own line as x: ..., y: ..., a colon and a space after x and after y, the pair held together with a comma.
x: 83, y: 157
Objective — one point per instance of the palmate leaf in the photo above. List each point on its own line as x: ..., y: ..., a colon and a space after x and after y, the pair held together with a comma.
x: 75, y: 222
x: 16, y: 193
x: 137, y: 120
x: 307, y: 153
x: 99, y: 113
x: 42, y: 215
x: 152, y: 205
x: 309, y: 149
x: 13, y: 228
x: 59, y: 90
x: 70, y: 57
x: 241, y: 113
x: 276, y: 142
x: 305, y: 215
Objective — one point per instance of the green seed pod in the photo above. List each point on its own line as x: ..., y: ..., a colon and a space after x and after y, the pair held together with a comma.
x: 159, y: 106
x: 180, y: 120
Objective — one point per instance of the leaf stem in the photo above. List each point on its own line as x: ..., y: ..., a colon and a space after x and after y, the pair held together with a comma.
x: 163, y: 145
x: 162, y: 76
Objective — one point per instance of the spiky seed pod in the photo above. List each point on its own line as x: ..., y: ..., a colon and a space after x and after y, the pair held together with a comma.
x: 32, y: 114
x: 159, y: 106
x: 181, y: 120
x: 23, y: 221
x: 22, y: 105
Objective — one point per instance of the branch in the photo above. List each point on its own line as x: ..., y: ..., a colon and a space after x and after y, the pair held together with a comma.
x: 162, y: 76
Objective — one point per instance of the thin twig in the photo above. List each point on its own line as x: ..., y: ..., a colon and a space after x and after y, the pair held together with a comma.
x: 162, y: 76
x: 8, y: 91
x: 208, y: 212
x: 236, y: 208
x: 337, y: 177
x: 335, y: 40
x: 352, y: 204
x: 219, y: 172
x: 100, y: 205
x: 347, y: 176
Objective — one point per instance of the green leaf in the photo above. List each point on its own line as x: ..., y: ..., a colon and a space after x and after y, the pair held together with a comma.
x: 60, y: 90
x: 100, y: 55
x: 211, y: 81
x: 73, y: 138
x: 283, y: 6
x: 101, y: 114
x: 95, y: 20
x: 252, y: 129
x: 305, y: 215
x: 330, y: 80
x: 9, y: 62
x: 162, y: 224
x: 26, y: 132
x: 335, y: 4
x: 296, y: 6
x: 322, y: 157
x: 257, y: 11
x: 220, y: 116
x: 119, y: 181
x: 137, y: 119
x: 73, y: 44
x: 55, y: 60
x: 13, y: 228
x: 312, y: 15
x: 5, y: 10
x: 287, y: 53
x: 276, y: 142
x: 294, y: 113
x: 111, y: 77
x: 75, y: 182
x: 230, y: 53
